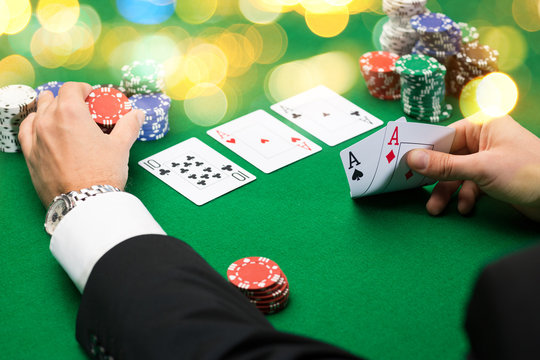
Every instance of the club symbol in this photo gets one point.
(188, 164)
(227, 168)
(175, 164)
(202, 182)
(205, 176)
(189, 157)
(217, 176)
(208, 169)
(296, 115)
(184, 170)
(192, 176)
(357, 175)
(164, 172)
(355, 113)
(198, 163)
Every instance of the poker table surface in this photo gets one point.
(377, 276)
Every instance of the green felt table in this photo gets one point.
(377, 276)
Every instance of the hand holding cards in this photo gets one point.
(377, 164)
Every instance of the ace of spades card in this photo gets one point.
(196, 171)
(381, 157)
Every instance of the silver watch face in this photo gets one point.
(58, 209)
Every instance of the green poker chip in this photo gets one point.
(468, 33)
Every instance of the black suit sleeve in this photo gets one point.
(154, 297)
(503, 317)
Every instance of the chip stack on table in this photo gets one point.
(156, 108)
(469, 34)
(398, 36)
(423, 88)
(143, 77)
(52, 86)
(16, 103)
(439, 36)
(472, 61)
(107, 105)
(378, 69)
(261, 281)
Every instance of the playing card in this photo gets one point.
(196, 171)
(264, 141)
(327, 115)
(391, 170)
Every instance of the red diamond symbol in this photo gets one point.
(390, 156)
(409, 175)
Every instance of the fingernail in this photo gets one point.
(140, 117)
(418, 159)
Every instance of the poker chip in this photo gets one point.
(143, 77)
(423, 90)
(16, 103)
(117, 87)
(52, 86)
(438, 36)
(107, 106)
(378, 70)
(474, 60)
(262, 281)
(156, 122)
(398, 36)
(469, 33)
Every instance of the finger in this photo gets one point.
(447, 167)
(127, 128)
(75, 91)
(71, 100)
(26, 134)
(467, 136)
(440, 196)
(467, 196)
(44, 101)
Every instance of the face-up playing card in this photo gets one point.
(264, 141)
(196, 171)
(391, 171)
(327, 115)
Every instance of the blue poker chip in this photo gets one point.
(153, 104)
(155, 135)
(52, 86)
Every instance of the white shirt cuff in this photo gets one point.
(95, 226)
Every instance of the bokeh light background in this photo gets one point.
(225, 58)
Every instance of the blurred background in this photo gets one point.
(224, 58)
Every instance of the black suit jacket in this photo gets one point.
(154, 297)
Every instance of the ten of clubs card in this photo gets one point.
(326, 115)
(377, 164)
(196, 171)
(264, 141)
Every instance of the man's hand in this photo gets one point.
(65, 150)
(499, 157)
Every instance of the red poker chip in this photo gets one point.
(378, 61)
(254, 273)
(107, 105)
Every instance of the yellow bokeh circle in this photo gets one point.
(328, 23)
(16, 69)
(496, 94)
(196, 11)
(14, 15)
(58, 16)
(206, 104)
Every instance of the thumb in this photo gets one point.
(127, 128)
(442, 166)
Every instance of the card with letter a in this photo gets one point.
(327, 115)
(264, 141)
(196, 171)
(377, 164)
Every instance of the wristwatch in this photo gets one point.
(62, 204)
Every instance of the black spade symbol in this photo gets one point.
(357, 175)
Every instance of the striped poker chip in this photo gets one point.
(52, 86)
(107, 105)
(154, 105)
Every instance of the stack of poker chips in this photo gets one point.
(143, 77)
(156, 122)
(439, 36)
(107, 105)
(469, 34)
(261, 281)
(52, 86)
(398, 36)
(16, 103)
(378, 69)
(472, 61)
(423, 88)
